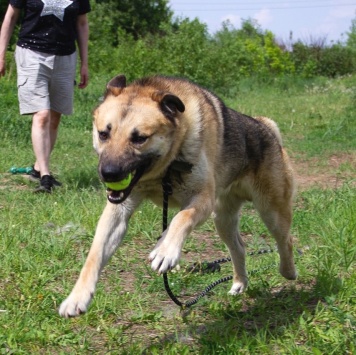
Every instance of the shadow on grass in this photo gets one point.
(266, 315)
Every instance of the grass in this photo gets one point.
(45, 239)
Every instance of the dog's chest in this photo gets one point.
(178, 192)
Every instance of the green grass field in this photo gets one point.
(45, 239)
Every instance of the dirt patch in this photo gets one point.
(330, 173)
(11, 181)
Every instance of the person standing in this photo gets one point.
(46, 65)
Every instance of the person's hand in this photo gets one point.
(84, 77)
(7, 28)
(2, 67)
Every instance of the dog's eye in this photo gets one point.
(138, 139)
(103, 135)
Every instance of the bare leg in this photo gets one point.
(45, 125)
(53, 129)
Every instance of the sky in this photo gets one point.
(307, 19)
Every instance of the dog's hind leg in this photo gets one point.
(110, 231)
(227, 224)
(278, 219)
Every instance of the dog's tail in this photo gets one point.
(272, 126)
(275, 130)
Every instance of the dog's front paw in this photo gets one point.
(237, 288)
(164, 259)
(75, 304)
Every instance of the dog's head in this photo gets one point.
(133, 132)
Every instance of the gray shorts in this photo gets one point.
(45, 81)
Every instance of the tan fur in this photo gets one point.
(153, 124)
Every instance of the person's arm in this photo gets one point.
(7, 28)
(83, 38)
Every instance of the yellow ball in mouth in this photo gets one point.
(119, 185)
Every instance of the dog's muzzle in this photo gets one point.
(109, 175)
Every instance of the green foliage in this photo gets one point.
(139, 38)
(241, 50)
(168, 54)
(103, 24)
(216, 61)
(136, 17)
(351, 36)
(3, 8)
(187, 50)
(319, 59)
(277, 60)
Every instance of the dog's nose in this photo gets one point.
(111, 172)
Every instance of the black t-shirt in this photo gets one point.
(50, 26)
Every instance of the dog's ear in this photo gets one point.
(115, 85)
(170, 104)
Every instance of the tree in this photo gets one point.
(136, 17)
(351, 40)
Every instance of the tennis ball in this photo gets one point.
(119, 185)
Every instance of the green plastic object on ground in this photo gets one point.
(26, 170)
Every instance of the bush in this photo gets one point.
(319, 59)
(217, 62)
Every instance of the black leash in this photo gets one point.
(212, 266)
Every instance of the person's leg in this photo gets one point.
(54, 126)
(41, 140)
(45, 126)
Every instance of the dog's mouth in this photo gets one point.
(119, 196)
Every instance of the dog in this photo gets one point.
(217, 159)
